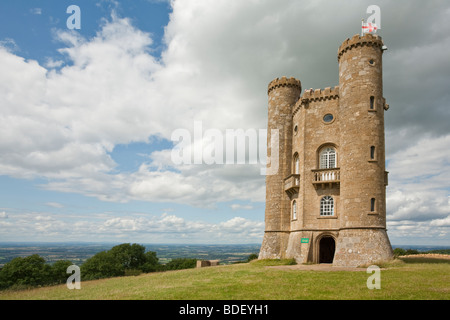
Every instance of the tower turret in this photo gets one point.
(362, 234)
(283, 94)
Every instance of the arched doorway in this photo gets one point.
(327, 247)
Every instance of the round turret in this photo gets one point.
(362, 156)
(283, 94)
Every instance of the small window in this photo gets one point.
(294, 210)
(328, 118)
(295, 129)
(372, 153)
(372, 204)
(328, 158)
(372, 103)
(327, 206)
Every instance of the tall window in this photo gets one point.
(294, 210)
(296, 164)
(372, 153)
(372, 102)
(328, 158)
(372, 204)
(327, 206)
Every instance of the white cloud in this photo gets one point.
(419, 188)
(37, 11)
(445, 222)
(418, 203)
(51, 63)
(3, 215)
(136, 226)
(54, 205)
(9, 45)
(236, 206)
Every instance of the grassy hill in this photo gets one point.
(405, 279)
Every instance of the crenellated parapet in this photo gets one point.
(311, 95)
(284, 82)
(320, 95)
(360, 41)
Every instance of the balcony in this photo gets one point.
(326, 177)
(292, 184)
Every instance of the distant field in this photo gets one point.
(404, 279)
(78, 253)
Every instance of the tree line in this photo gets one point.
(403, 252)
(122, 260)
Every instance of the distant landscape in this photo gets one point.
(79, 252)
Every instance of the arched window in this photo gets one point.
(296, 164)
(294, 210)
(327, 206)
(328, 158)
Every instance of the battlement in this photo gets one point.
(360, 41)
(311, 95)
(319, 94)
(284, 82)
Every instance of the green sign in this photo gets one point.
(305, 240)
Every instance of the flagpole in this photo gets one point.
(362, 25)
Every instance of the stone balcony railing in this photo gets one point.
(292, 184)
(326, 177)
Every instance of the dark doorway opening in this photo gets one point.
(327, 247)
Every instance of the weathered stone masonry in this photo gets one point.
(327, 203)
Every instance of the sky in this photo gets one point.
(88, 115)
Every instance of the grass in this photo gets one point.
(406, 279)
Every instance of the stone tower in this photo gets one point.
(283, 94)
(327, 202)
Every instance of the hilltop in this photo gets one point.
(403, 279)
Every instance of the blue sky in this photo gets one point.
(87, 115)
(31, 23)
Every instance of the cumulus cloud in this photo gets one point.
(445, 222)
(418, 201)
(9, 45)
(136, 226)
(113, 92)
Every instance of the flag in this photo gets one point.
(369, 27)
